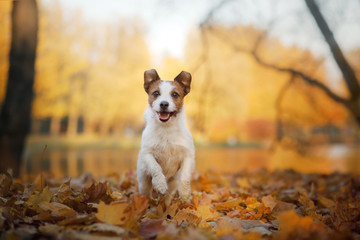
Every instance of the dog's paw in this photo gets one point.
(159, 184)
(184, 191)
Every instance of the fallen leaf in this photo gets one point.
(229, 205)
(188, 216)
(243, 183)
(150, 228)
(116, 213)
(104, 228)
(170, 231)
(282, 206)
(171, 210)
(63, 192)
(205, 199)
(241, 224)
(37, 198)
(98, 192)
(51, 229)
(269, 201)
(206, 213)
(346, 214)
(54, 211)
(5, 184)
(291, 225)
(325, 202)
(139, 203)
(78, 219)
(309, 206)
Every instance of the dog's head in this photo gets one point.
(166, 97)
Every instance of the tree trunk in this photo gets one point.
(346, 70)
(16, 111)
(88, 126)
(72, 125)
(55, 126)
(104, 128)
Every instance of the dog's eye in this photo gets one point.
(156, 94)
(175, 95)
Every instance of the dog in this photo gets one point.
(167, 154)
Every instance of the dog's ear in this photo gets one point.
(150, 76)
(184, 78)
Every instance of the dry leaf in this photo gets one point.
(269, 201)
(188, 216)
(51, 229)
(5, 184)
(98, 192)
(104, 228)
(325, 202)
(139, 203)
(240, 224)
(309, 206)
(150, 228)
(37, 198)
(116, 213)
(243, 183)
(229, 205)
(78, 219)
(206, 213)
(63, 192)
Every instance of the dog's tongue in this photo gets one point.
(164, 115)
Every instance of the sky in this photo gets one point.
(168, 22)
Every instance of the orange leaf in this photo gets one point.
(187, 215)
(116, 213)
(206, 213)
(229, 205)
(139, 204)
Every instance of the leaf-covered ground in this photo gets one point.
(247, 205)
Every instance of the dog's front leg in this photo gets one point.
(155, 171)
(185, 178)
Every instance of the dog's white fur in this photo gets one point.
(166, 157)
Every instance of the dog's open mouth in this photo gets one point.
(164, 116)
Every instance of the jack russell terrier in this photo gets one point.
(167, 153)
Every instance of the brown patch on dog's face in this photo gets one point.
(153, 91)
(178, 94)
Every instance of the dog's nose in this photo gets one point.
(164, 105)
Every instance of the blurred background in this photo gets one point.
(275, 83)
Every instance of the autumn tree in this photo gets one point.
(61, 67)
(114, 98)
(16, 109)
(257, 48)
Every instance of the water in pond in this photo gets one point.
(74, 162)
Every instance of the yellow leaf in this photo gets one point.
(116, 213)
(243, 183)
(187, 215)
(206, 213)
(229, 205)
(57, 209)
(35, 199)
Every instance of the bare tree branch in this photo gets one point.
(346, 70)
(306, 78)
